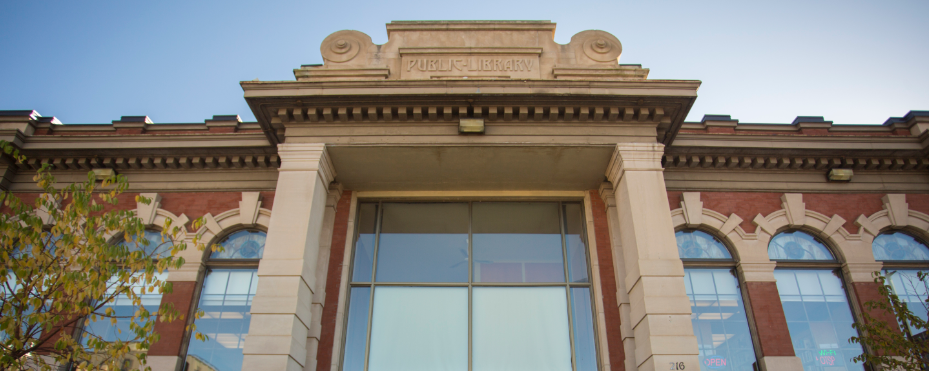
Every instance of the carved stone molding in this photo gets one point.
(710, 161)
(153, 162)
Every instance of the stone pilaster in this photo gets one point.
(659, 307)
(281, 309)
(322, 268)
(622, 295)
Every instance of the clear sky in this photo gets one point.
(853, 62)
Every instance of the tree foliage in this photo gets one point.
(893, 347)
(61, 274)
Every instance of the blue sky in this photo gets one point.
(853, 62)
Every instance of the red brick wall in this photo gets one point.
(769, 319)
(172, 333)
(868, 291)
(608, 282)
(847, 205)
(333, 282)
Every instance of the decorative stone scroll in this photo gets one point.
(459, 50)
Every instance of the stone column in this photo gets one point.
(281, 313)
(659, 307)
(766, 316)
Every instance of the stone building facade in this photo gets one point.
(492, 137)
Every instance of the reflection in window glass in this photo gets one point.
(898, 246)
(152, 243)
(520, 328)
(423, 243)
(416, 324)
(700, 245)
(122, 306)
(364, 243)
(719, 320)
(575, 243)
(242, 245)
(818, 318)
(356, 335)
(797, 246)
(517, 242)
(585, 347)
(226, 300)
(419, 328)
(911, 290)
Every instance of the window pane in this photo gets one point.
(242, 245)
(719, 320)
(898, 246)
(520, 328)
(585, 348)
(364, 243)
(911, 290)
(517, 242)
(700, 245)
(152, 243)
(225, 300)
(575, 243)
(819, 319)
(797, 246)
(419, 328)
(423, 243)
(356, 335)
(104, 329)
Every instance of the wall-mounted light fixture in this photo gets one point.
(840, 175)
(471, 126)
(103, 173)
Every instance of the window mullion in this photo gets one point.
(567, 280)
(470, 279)
(377, 242)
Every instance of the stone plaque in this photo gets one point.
(458, 63)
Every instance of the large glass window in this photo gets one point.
(718, 313)
(904, 257)
(470, 286)
(123, 310)
(150, 243)
(226, 300)
(815, 303)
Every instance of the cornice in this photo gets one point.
(781, 162)
(471, 86)
(152, 162)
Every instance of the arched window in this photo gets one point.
(797, 246)
(226, 299)
(904, 257)
(151, 243)
(815, 302)
(718, 313)
(898, 246)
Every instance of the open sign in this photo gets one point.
(715, 362)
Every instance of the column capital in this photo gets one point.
(607, 194)
(307, 157)
(634, 157)
(861, 272)
(756, 272)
